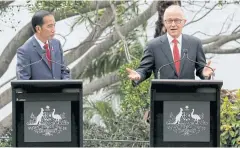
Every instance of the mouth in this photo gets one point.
(173, 29)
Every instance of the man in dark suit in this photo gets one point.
(41, 56)
(168, 48)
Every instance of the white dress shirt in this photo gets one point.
(40, 42)
(179, 39)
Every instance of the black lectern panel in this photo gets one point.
(185, 113)
(47, 113)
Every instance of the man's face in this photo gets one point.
(47, 30)
(174, 22)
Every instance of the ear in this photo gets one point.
(38, 29)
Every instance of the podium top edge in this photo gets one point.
(46, 81)
(154, 81)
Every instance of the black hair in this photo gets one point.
(37, 18)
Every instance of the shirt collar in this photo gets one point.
(40, 42)
(170, 39)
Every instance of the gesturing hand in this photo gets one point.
(132, 74)
(207, 72)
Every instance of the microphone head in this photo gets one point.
(185, 51)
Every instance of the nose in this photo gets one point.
(173, 23)
(53, 30)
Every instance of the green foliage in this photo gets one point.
(133, 130)
(134, 99)
(126, 13)
(64, 6)
(118, 126)
(105, 63)
(230, 122)
(5, 143)
(8, 141)
(104, 110)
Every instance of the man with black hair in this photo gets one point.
(41, 56)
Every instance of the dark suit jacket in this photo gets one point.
(158, 53)
(31, 67)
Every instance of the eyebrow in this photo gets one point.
(175, 18)
(51, 24)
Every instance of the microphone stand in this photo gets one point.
(159, 70)
(206, 78)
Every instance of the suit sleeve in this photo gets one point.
(146, 65)
(200, 59)
(65, 72)
(23, 68)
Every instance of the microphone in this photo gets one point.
(24, 66)
(50, 45)
(58, 64)
(213, 74)
(159, 70)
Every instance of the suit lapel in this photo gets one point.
(40, 51)
(184, 46)
(167, 51)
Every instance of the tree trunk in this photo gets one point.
(103, 82)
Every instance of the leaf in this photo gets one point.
(233, 141)
(237, 131)
(232, 133)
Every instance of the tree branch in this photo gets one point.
(224, 51)
(96, 12)
(219, 41)
(210, 40)
(220, 32)
(201, 33)
(199, 11)
(116, 26)
(76, 52)
(201, 16)
(226, 38)
(236, 29)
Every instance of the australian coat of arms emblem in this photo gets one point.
(187, 122)
(47, 122)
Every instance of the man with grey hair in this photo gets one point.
(168, 48)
